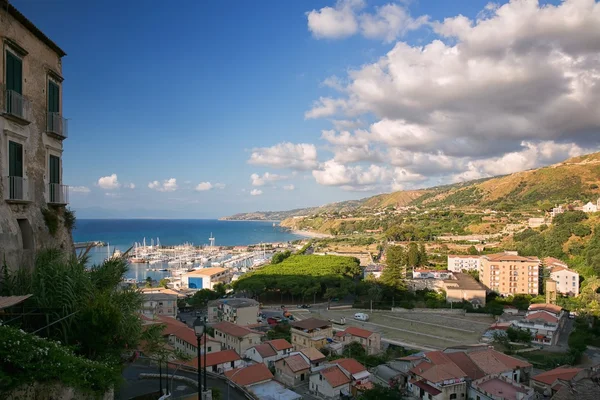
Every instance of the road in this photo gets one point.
(134, 386)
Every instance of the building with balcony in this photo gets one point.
(567, 280)
(311, 332)
(236, 337)
(421, 273)
(237, 311)
(32, 130)
(159, 304)
(544, 322)
(371, 341)
(458, 263)
(509, 274)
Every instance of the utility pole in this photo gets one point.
(371, 305)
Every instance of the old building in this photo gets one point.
(237, 311)
(508, 273)
(329, 382)
(293, 370)
(159, 304)
(236, 337)
(548, 382)
(269, 351)
(544, 322)
(250, 375)
(32, 130)
(311, 332)
(371, 341)
(219, 362)
(465, 287)
(497, 387)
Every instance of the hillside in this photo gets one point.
(577, 178)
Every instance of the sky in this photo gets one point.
(200, 109)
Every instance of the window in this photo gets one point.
(15, 171)
(14, 73)
(478, 398)
(453, 396)
(209, 349)
(429, 396)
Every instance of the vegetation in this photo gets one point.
(381, 393)
(280, 256)
(51, 220)
(280, 331)
(69, 217)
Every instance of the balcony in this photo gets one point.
(58, 194)
(16, 106)
(57, 125)
(16, 189)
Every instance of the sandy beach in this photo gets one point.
(310, 234)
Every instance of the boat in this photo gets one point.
(137, 260)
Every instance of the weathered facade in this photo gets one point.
(32, 130)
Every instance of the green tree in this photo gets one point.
(220, 290)
(422, 255)
(163, 282)
(381, 393)
(202, 297)
(473, 251)
(148, 282)
(413, 255)
(393, 273)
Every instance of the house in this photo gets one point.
(235, 337)
(388, 376)
(460, 263)
(269, 352)
(420, 273)
(590, 207)
(292, 370)
(218, 362)
(237, 311)
(329, 382)
(314, 356)
(509, 274)
(248, 376)
(360, 378)
(206, 278)
(498, 387)
(32, 131)
(464, 288)
(371, 341)
(311, 332)
(374, 269)
(159, 304)
(583, 386)
(544, 322)
(549, 382)
(556, 210)
(567, 280)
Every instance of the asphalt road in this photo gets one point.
(134, 386)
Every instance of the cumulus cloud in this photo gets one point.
(204, 186)
(109, 182)
(79, 189)
(359, 178)
(389, 22)
(129, 186)
(168, 185)
(335, 22)
(300, 156)
(325, 107)
(266, 178)
(289, 187)
(256, 192)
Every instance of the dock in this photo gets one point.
(85, 245)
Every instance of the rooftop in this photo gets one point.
(207, 271)
(426, 387)
(545, 307)
(351, 330)
(500, 387)
(491, 361)
(237, 302)
(220, 357)
(350, 365)
(510, 257)
(159, 297)
(540, 315)
(548, 261)
(272, 390)
(463, 256)
(334, 376)
(313, 354)
(249, 375)
(465, 282)
(565, 372)
(9, 301)
(234, 330)
(296, 362)
(280, 344)
(265, 350)
(311, 324)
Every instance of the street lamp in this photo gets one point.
(200, 329)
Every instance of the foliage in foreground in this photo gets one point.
(26, 358)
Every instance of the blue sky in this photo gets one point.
(200, 92)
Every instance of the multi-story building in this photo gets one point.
(422, 273)
(236, 337)
(464, 288)
(458, 263)
(237, 311)
(371, 341)
(32, 130)
(311, 332)
(544, 322)
(269, 351)
(508, 273)
(567, 280)
(159, 304)
(206, 278)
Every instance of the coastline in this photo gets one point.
(309, 234)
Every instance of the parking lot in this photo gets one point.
(423, 330)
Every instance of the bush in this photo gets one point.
(69, 217)
(51, 220)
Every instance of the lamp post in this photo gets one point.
(199, 330)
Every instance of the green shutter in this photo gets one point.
(15, 159)
(14, 73)
(54, 169)
(53, 97)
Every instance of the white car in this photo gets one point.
(361, 316)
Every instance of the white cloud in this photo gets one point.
(332, 173)
(203, 186)
(289, 187)
(335, 22)
(300, 156)
(333, 82)
(79, 189)
(129, 185)
(345, 124)
(266, 178)
(109, 182)
(389, 23)
(325, 107)
(256, 192)
(168, 185)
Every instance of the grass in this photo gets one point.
(547, 360)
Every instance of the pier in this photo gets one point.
(84, 245)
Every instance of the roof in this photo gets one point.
(463, 256)
(265, 350)
(237, 302)
(565, 373)
(311, 324)
(207, 271)
(584, 389)
(501, 388)
(350, 365)
(386, 372)
(466, 364)
(249, 375)
(271, 390)
(9, 301)
(554, 261)
(159, 296)
(491, 361)
(438, 372)
(16, 14)
(162, 290)
(280, 344)
(558, 268)
(234, 330)
(296, 362)
(334, 376)
(541, 315)
(181, 330)
(546, 307)
(313, 354)
(510, 257)
(426, 387)
(465, 282)
(351, 330)
(220, 357)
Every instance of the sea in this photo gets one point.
(121, 234)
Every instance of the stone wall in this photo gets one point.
(54, 392)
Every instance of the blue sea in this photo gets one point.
(121, 234)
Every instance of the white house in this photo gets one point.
(431, 274)
(590, 207)
(457, 263)
(219, 362)
(329, 382)
(567, 280)
(269, 352)
(544, 322)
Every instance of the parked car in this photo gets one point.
(305, 306)
(361, 316)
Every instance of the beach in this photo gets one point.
(309, 234)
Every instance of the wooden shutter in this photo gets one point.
(54, 169)
(15, 159)
(14, 73)
(53, 97)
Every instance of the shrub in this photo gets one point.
(51, 220)
(69, 217)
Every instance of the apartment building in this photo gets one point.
(567, 280)
(508, 273)
(458, 263)
(311, 332)
(236, 337)
(206, 278)
(159, 304)
(371, 341)
(544, 322)
(32, 130)
(237, 311)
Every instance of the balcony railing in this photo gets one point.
(58, 194)
(57, 125)
(17, 105)
(16, 188)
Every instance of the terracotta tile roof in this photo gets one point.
(493, 362)
(565, 373)
(207, 271)
(265, 350)
(510, 257)
(280, 344)
(543, 316)
(558, 269)
(220, 357)
(313, 354)
(249, 375)
(554, 261)
(426, 387)
(296, 362)
(546, 307)
(233, 329)
(350, 365)
(179, 329)
(462, 256)
(363, 333)
(466, 364)
(334, 376)
(311, 324)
